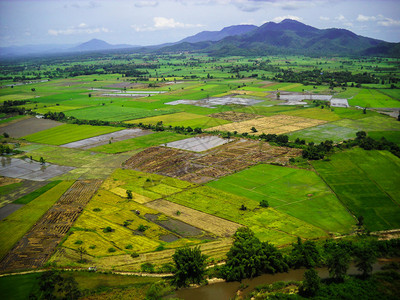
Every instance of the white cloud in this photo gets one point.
(389, 22)
(381, 20)
(362, 18)
(281, 18)
(141, 4)
(161, 23)
(84, 4)
(80, 29)
(340, 18)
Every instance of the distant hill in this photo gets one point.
(213, 36)
(96, 45)
(292, 37)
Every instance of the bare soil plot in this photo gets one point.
(214, 163)
(235, 116)
(278, 124)
(210, 223)
(198, 144)
(33, 250)
(30, 170)
(29, 126)
(105, 138)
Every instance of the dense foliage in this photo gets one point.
(249, 257)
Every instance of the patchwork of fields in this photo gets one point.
(129, 196)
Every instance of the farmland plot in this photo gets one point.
(367, 183)
(106, 138)
(33, 250)
(215, 163)
(198, 144)
(29, 126)
(278, 124)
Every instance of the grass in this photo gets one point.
(183, 119)
(267, 223)
(324, 132)
(314, 113)
(28, 198)
(18, 223)
(18, 287)
(373, 98)
(107, 209)
(299, 193)
(367, 183)
(140, 142)
(151, 186)
(392, 136)
(68, 133)
(372, 123)
(116, 113)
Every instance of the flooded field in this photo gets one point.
(31, 170)
(198, 144)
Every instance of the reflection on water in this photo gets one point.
(227, 290)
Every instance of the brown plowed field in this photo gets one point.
(33, 250)
(209, 165)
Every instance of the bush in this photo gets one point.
(264, 203)
(142, 228)
(108, 229)
(78, 242)
(111, 250)
(147, 267)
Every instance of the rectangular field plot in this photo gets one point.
(18, 223)
(374, 123)
(29, 126)
(116, 113)
(105, 138)
(215, 163)
(314, 113)
(367, 182)
(373, 98)
(215, 225)
(68, 133)
(267, 223)
(144, 141)
(299, 193)
(278, 124)
(38, 244)
(198, 144)
(151, 186)
(324, 132)
(182, 119)
(31, 170)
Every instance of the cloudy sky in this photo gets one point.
(149, 22)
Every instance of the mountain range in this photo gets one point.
(287, 37)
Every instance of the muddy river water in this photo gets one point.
(227, 290)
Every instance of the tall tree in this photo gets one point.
(338, 263)
(249, 257)
(311, 284)
(190, 266)
(364, 257)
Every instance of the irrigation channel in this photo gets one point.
(228, 290)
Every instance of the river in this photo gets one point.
(227, 290)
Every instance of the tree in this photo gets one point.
(304, 254)
(53, 285)
(190, 266)
(82, 251)
(42, 161)
(6, 135)
(365, 257)
(338, 263)
(264, 203)
(253, 129)
(311, 284)
(361, 135)
(129, 194)
(249, 257)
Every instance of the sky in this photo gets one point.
(152, 22)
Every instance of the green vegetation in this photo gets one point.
(366, 182)
(267, 224)
(190, 266)
(23, 219)
(28, 198)
(68, 133)
(299, 193)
